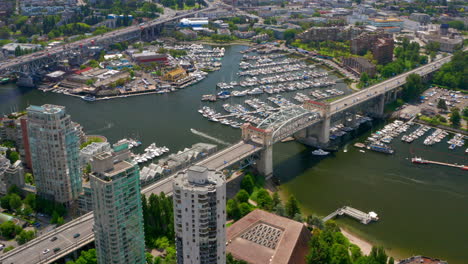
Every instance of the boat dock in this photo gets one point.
(364, 218)
(423, 161)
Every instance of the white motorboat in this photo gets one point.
(320, 152)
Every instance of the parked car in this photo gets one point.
(54, 238)
(76, 235)
(56, 250)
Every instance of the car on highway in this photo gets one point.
(76, 235)
(45, 251)
(56, 250)
(54, 238)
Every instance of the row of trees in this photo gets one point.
(454, 75)
(330, 246)
(158, 218)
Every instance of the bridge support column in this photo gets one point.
(265, 163)
(379, 107)
(324, 134)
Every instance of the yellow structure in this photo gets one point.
(175, 75)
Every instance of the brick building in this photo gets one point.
(359, 65)
(380, 44)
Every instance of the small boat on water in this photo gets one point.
(320, 152)
(89, 98)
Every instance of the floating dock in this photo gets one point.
(364, 218)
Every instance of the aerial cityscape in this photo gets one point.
(233, 132)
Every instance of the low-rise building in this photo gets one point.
(244, 35)
(223, 31)
(175, 75)
(260, 37)
(262, 237)
(420, 17)
(359, 65)
(379, 43)
(189, 34)
(149, 57)
(390, 24)
(87, 153)
(9, 49)
(47, 7)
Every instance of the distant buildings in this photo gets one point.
(16, 129)
(200, 216)
(46, 7)
(420, 17)
(391, 25)
(118, 216)
(10, 174)
(329, 33)
(448, 39)
(262, 237)
(54, 144)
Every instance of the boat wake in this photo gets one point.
(109, 125)
(201, 134)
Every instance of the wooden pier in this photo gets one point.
(364, 218)
(423, 161)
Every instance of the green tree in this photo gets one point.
(242, 196)
(25, 236)
(455, 117)
(412, 88)
(441, 104)
(292, 207)
(457, 24)
(279, 210)
(339, 255)
(15, 201)
(9, 230)
(391, 260)
(30, 200)
(264, 200)
(5, 202)
(244, 209)
(276, 199)
(315, 221)
(364, 78)
(13, 156)
(28, 178)
(465, 111)
(232, 209)
(86, 257)
(247, 183)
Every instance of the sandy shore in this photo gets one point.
(365, 246)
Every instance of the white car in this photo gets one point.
(46, 251)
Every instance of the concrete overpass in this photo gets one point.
(31, 252)
(33, 62)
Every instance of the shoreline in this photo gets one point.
(364, 245)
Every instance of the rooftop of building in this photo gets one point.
(262, 237)
(199, 178)
(104, 167)
(46, 109)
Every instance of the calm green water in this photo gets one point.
(423, 209)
